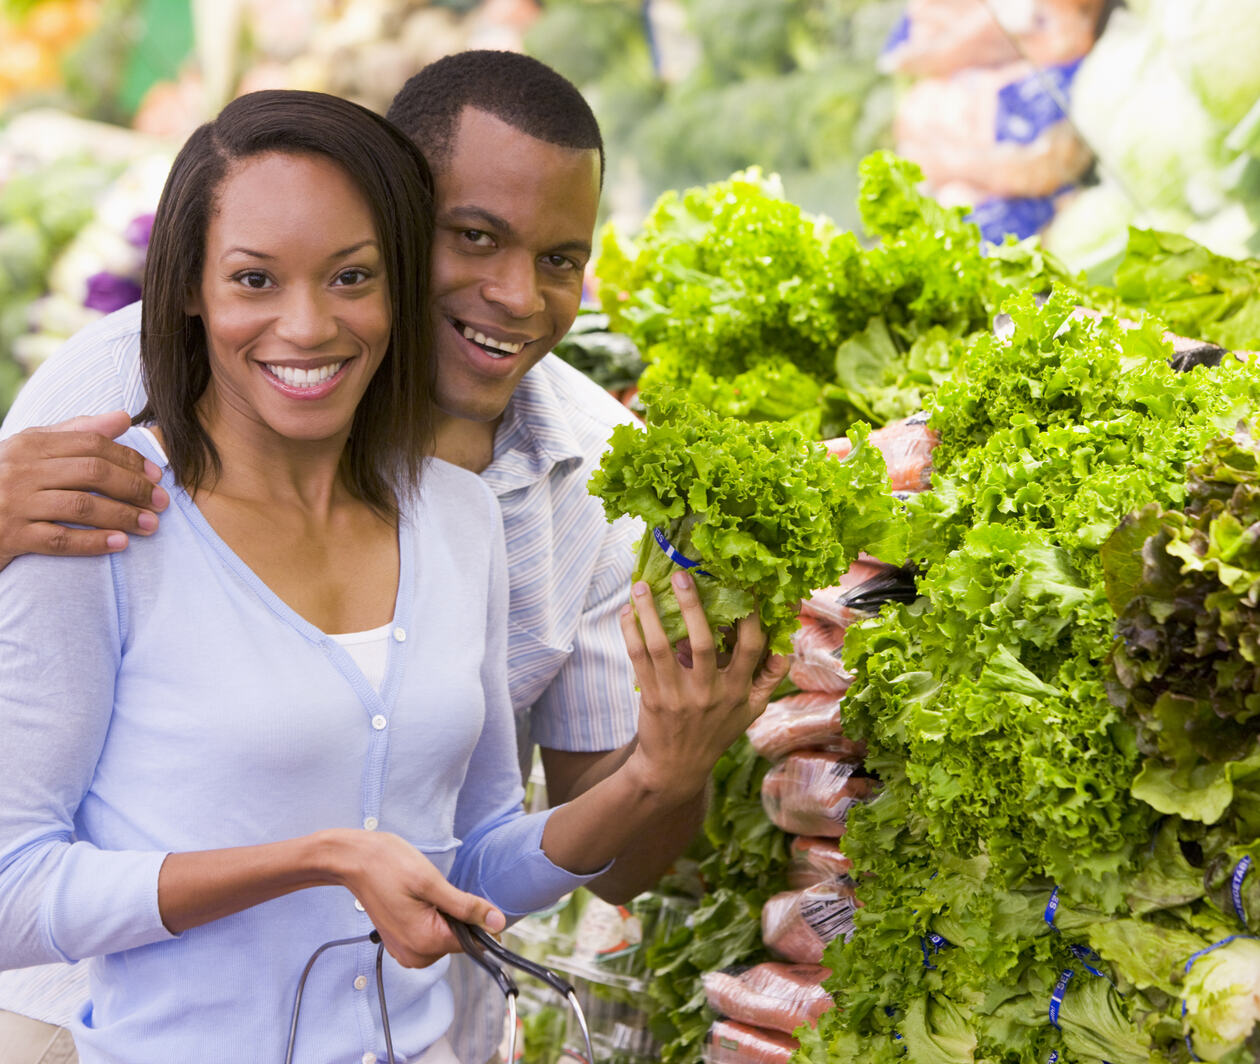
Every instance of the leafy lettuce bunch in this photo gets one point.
(1185, 584)
(766, 513)
(1198, 293)
(1006, 768)
(740, 298)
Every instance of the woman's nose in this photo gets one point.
(306, 320)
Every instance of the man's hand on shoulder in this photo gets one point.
(74, 473)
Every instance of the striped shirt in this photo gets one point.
(570, 680)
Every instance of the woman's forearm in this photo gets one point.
(196, 888)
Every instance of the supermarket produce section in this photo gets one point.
(979, 445)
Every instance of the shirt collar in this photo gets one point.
(534, 435)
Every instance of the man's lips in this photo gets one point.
(496, 346)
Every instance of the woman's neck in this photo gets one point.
(257, 464)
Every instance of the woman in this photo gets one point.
(282, 720)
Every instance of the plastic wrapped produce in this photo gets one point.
(773, 995)
(1000, 129)
(816, 665)
(798, 924)
(737, 1043)
(854, 596)
(810, 792)
(907, 447)
(815, 861)
(809, 719)
(938, 37)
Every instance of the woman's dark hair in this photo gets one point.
(393, 425)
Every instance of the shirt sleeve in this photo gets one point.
(95, 371)
(591, 705)
(501, 857)
(60, 647)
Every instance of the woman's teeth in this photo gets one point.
(304, 378)
(495, 347)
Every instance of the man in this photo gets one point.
(518, 164)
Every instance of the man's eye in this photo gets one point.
(254, 279)
(560, 262)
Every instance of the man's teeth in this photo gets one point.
(485, 341)
(304, 378)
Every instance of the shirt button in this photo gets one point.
(359, 905)
(378, 722)
(369, 1058)
(360, 982)
(371, 823)
(400, 635)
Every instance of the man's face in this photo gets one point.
(515, 217)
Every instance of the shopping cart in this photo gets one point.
(485, 951)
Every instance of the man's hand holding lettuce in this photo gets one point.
(765, 514)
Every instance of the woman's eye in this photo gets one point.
(254, 279)
(478, 237)
(352, 277)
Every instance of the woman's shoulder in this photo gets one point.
(455, 501)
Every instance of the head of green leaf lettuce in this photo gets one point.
(768, 514)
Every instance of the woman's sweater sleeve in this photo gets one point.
(60, 649)
(501, 857)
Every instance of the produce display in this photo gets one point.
(1035, 828)
(980, 447)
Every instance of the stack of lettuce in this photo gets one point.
(1013, 832)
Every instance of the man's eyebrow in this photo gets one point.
(339, 253)
(477, 214)
(467, 216)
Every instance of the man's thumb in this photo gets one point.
(111, 424)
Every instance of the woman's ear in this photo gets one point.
(192, 303)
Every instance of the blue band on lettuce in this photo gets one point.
(674, 556)
(1189, 964)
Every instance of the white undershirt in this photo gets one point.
(368, 649)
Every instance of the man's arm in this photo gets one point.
(640, 865)
(688, 715)
(73, 473)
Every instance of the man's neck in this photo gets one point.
(465, 443)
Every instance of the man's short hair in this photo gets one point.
(516, 89)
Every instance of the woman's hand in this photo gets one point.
(405, 896)
(692, 709)
(400, 890)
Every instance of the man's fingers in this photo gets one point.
(698, 630)
(770, 676)
(750, 644)
(46, 538)
(127, 483)
(96, 511)
(654, 637)
(111, 424)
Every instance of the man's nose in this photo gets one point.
(514, 286)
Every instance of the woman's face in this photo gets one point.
(293, 297)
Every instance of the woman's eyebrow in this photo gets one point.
(339, 253)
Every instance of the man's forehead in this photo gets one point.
(476, 130)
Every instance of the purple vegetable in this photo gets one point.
(108, 292)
